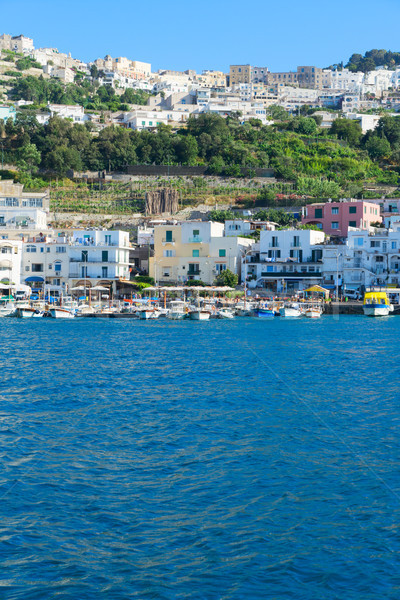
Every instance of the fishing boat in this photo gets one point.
(177, 310)
(59, 312)
(264, 311)
(27, 312)
(147, 313)
(313, 311)
(376, 303)
(291, 310)
(244, 309)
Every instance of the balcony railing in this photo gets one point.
(194, 272)
(195, 240)
(294, 245)
(168, 240)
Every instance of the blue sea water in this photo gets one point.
(213, 460)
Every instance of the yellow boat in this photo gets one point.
(376, 303)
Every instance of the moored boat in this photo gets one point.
(225, 313)
(59, 312)
(177, 310)
(313, 312)
(376, 303)
(199, 315)
(290, 310)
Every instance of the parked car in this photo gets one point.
(352, 294)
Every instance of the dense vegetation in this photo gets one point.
(372, 59)
(89, 95)
(322, 164)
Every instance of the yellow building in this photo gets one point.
(194, 250)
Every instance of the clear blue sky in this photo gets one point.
(208, 34)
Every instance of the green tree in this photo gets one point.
(347, 129)
(226, 278)
(220, 216)
(29, 158)
(378, 147)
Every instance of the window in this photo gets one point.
(31, 248)
(195, 253)
(41, 249)
(85, 256)
(275, 243)
(222, 253)
(335, 225)
(169, 253)
(352, 223)
(37, 268)
(394, 245)
(352, 209)
(379, 259)
(104, 271)
(168, 236)
(196, 232)
(104, 256)
(318, 213)
(335, 210)
(48, 249)
(375, 244)
(57, 267)
(107, 239)
(61, 249)
(359, 241)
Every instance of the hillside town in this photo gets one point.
(353, 244)
(175, 95)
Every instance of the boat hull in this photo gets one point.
(199, 315)
(27, 313)
(312, 313)
(264, 313)
(290, 312)
(145, 315)
(376, 311)
(176, 316)
(61, 313)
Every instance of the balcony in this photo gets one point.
(195, 240)
(291, 274)
(273, 245)
(89, 261)
(168, 241)
(194, 272)
(294, 245)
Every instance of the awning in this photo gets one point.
(34, 279)
(349, 286)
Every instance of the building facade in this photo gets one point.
(284, 261)
(335, 218)
(194, 250)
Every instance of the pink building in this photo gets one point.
(335, 218)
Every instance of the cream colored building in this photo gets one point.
(239, 74)
(194, 250)
(133, 69)
(211, 79)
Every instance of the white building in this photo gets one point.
(372, 258)
(288, 260)
(10, 261)
(21, 213)
(98, 257)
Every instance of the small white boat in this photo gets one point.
(199, 315)
(290, 310)
(313, 312)
(225, 313)
(27, 312)
(59, 312)
(177, 310)
(7, 309)
(147, 313)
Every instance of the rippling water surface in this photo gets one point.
(179, 460)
